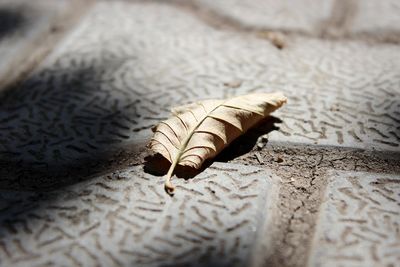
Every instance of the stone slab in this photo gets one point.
(333, 18)
(120, 71)
(377, 16)
(126, 219)
(359, 221)
(303, 16)
(22, 23)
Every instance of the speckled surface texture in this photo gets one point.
(316, 184)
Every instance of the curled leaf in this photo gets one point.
(200, 130)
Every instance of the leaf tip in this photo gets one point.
(280, 97)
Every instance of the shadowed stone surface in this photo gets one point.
(126, 219)
(22, 23)
(359, 223)
(126, 64)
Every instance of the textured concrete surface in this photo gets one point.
(103, 88)
(126, 219)
(359, 221)
(333, 19)
(304, 171)
(73, 134)
(366, 18)
(299, 16)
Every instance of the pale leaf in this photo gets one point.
(200, 130)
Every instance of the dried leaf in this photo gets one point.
(199, 131)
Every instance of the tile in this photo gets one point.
(125, 218)
(303, 16)
(377, 16)
(359, 221)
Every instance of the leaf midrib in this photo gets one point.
(187, 139)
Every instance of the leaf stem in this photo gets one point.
(169, 187)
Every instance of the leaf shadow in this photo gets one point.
(157, 165)
(245, 143)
